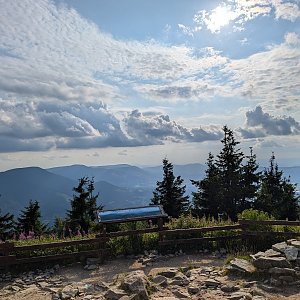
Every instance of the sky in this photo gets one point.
(101, 82)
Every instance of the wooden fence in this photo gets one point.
(10, 254)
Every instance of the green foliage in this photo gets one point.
(83, 206)
(170, 192)
(6, 226)
(228, 187)
(257, 215)
(277, 195)
(30, 219)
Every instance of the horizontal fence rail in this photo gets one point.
(11, 254)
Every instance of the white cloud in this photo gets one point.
(287, 10)
(152, 128)
(271, 76)
(261, 124)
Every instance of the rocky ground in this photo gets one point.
(169, 277)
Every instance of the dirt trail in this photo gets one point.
(110, 268)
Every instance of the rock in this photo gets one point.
(258, 298)
(295, 243)
(282, 271)
(114, 294)
(167, 272)
(291, 253)
(269, 262)
(91, 267)
(68, 292)
(136, 282)
(279, 247)
(192, 289)
(242, 265)
(240, 295)
(229, 288)
(180, 294)
(268, 288)
(160, 280)
(180, 279)
(211, 283)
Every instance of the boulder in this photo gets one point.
(291, 253)
(270, 262)
(279, 247)
(136, 282)
(242, 265)
(160, 280)
(212, 283)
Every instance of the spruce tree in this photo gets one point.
(230, 169)
(30, 219)
(6, 226)
(83, 206)
(206, 201)
(170, 192)
(277, 195)
(250, 180)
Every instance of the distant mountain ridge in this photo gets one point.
(119, 186)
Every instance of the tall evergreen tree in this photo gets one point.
(83, 205)
(206, 201)
(170, 192)
(6, 226)
(230, 169)
(249, 181)
(30, 219)
(277, 195)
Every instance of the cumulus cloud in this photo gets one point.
(153, 128)
(34, 126)
(261, 124)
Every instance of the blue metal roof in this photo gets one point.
(128, 214)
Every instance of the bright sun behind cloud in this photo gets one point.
(219, 17)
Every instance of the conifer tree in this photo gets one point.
(206, 201)
(230, 169)
(30, 219)
(170, 192)
(277, 195)
(249, 181)
(83, 206)
(6, 226)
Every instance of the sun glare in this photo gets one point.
(220, 17)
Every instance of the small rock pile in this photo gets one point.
(280, 264)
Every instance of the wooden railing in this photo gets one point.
(11, 254)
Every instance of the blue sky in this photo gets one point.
(105, 82)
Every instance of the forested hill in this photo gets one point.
(119, 186)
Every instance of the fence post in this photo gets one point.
(244, 227)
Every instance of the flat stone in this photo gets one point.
(169, 272)
(282, 271)
(240, 295)
(269, 262)
(295, 243)
(272, 253)
(242, 265)
(229, 288)
(160, 280)
(291, 253)
(180, 294)
(280, 247)
(211, 282)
